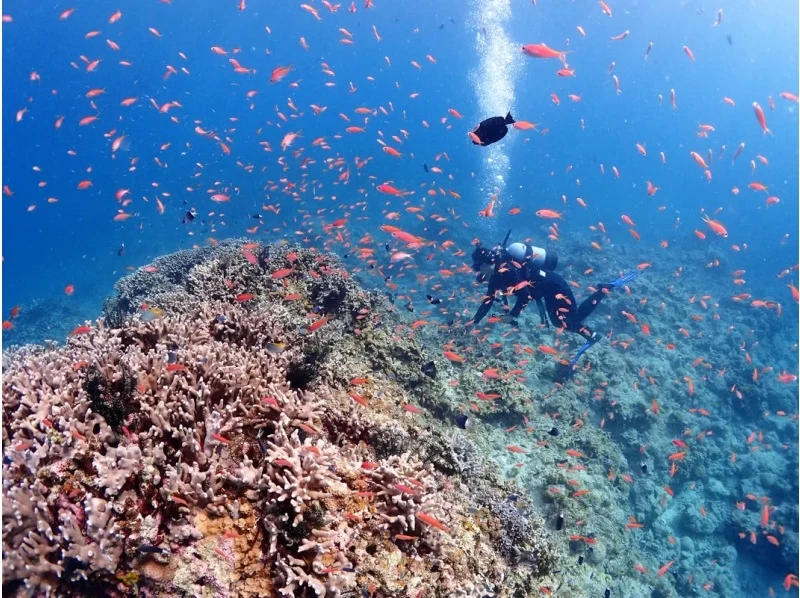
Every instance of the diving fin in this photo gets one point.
(624, 279)
(581, 351)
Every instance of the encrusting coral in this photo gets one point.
(212, 448)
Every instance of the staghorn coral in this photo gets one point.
(182, 453)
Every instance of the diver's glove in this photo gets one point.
(622, 280)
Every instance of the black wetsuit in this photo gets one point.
(553, 297)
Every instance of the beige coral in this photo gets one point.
(212, 430)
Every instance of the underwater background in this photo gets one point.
(137, 129)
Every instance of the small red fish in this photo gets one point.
(359, 399)
(250, 257)
(278, 73)
(432, 521)
(282, 273)
(665, 568)
(318, 324)
(455, 357)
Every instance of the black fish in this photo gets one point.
(462, 421)
(410, 307)
(553, 432)
(121, 250)
(189, 216)
(425, 166)
(493, 129)
(433, 300)
(429, 369)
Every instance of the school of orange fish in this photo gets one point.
(319, 187)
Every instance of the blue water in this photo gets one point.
(750, 57)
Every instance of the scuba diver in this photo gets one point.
(528, 273)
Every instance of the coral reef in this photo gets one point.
(226, 443)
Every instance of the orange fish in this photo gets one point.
(278, 73)
(762, 120)
(542, 51)
(432, 521)
(548, 214)
(318, 324)
(390, 190)
(360, 400)
(715, 226)
(282, 273)
(454, 357)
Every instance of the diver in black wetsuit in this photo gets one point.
(512, 271)
(527, 272)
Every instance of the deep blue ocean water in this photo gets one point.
(479, 71)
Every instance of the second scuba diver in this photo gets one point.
(527, 272)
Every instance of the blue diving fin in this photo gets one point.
(581, 351)
(624, 279)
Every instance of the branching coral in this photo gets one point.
(118, 444)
